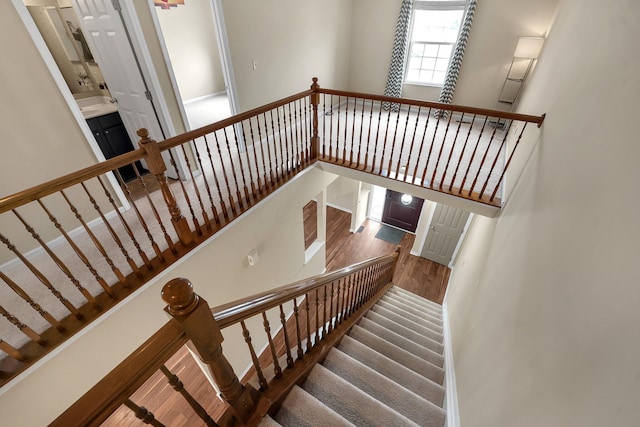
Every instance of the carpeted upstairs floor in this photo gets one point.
(389, 371)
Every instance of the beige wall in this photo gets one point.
(494, 34)
(291, 42)
(544, 299)
(190, 37)
(219, 272)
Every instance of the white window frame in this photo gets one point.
(433, 5)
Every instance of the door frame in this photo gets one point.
(56, 74)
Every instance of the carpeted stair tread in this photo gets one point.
(418, 299)
(392, 351)
(405, 332)
(418, 327)
(349, 401)
(402, 342)
(267, 421)
(421, 319)
(301, 409)
(385, 390)
(427, 314)
(393, 370)
(409, 303)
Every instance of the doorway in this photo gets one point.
(194, 51)
(402, 210)
(447, 227)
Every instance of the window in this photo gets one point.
(434, 31)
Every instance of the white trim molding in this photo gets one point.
(451, 396)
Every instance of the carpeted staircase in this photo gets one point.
(389, 371)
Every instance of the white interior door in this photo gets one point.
(109, 43)
(445, 230)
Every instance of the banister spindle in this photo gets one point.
(287, 344)
(453, 147)
(33, 335)
(442, 144)
(236, 149)
(506, 165)
(207, 187)
(254, 358)
(156, 166)
(223, 205)
(307, 307)
(143, 414)
(185, 156)
(177, 385)
(11, 351)
(298, 335)
(274, 355)
(193, 314)
(419, 156)
(464, 148)
(185, 193)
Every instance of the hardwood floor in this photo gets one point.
(415, 274)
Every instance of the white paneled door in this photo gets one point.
(109, 43)
(445, 230)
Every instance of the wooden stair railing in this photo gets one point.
(325, 307)
(72, 248)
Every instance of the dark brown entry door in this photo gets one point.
(402, 213)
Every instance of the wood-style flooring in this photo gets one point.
(415, 274)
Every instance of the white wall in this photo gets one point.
(544, 299)
(219, 272)
(191, 41)
(291, 42)
(494, 34)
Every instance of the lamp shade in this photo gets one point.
(528, 47)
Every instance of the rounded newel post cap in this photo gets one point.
(398, 249)
(315, 84)
(143, 133)
(179, 296)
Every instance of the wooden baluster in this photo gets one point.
(426, 166)
(266, 158)
(331, 140)
(324, 313)
(307, 307)
(293, 133)
(353, 131)
(303, 133)
(484, 157)
(25, 296)
(473, 154)
(11, 351)
(256, 362)
(464, 148)
(346, 126)
(244, 179)
(393, 143)
(156, 166)
(43, 279)
(33, 336)
(407, 173)
(78, 251)
(419, 156)
(272, 173)
(318, 328)
(324, 126)
(223, 205)
(96, 242)
(367, 147)
(353, 287)
(247, 147)
(112, 232)
(207, 221)
(375, 145)
(194, 315)
(163, 229)
(284, 148)
(404, 137)
(143, 414)
(345, 299)
(141, 219)
(308, 131)
(125, 225)
(347, 296)
(185, 193)
(61, 265)
(358, 285)
(274, 355)
(442, 144)
(360, 135)
(506, 165)
(285, 334)
(384, 144)
(214, 210)
(262, 185)
(315, 100)
(298, 335)
(177, 385)
(453, 146)
(331, 317)
(276, 164)
(338, 317)
(232, 203)
(493, 164)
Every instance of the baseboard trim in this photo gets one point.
(451, 397)
(340, 208)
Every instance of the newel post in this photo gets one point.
(195, 317)
(396, 261)
(315, 100)
(157, 167)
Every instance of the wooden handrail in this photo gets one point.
(438, 106)
(97, 404)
